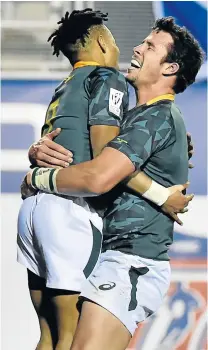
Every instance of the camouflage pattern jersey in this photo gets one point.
(153, 137)
(91, 95)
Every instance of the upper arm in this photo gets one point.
(110, 168)
(96, 176)
(108, 97)
(100, 135)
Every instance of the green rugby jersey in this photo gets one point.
(91, 95)
(153, 137)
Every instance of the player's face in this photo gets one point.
(112, 51)
(148, 62)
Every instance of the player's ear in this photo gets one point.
(170, 68)
(101, 43)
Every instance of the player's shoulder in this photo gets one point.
(175, 111)
(162, 110)
(153, 117)
(170, 113)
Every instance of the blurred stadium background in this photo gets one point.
(29, 75)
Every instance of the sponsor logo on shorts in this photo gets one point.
(107, 286)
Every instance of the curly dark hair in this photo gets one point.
(185, 51)
(73, 31)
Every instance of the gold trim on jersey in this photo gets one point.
(51, 115)
(68, 78)
(161, 97)
(81, 64)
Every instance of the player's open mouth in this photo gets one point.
(135, 64)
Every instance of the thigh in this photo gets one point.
(66, 315)
(149, 288)
(109, 286)
(128, 287)
(24, 223)
(45, 311)
(28, 254)
(99, 329)
(70, 243)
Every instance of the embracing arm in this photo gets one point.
(95, 177)
(100, 175)
(47, 153)
(139, 182)
(171, 199)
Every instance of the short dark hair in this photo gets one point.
(74, 31)
(185, 51)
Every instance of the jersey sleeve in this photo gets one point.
(147, 135)
(108, 100)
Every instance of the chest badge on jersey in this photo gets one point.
(115, 101)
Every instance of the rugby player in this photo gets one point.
(133, 273)
(51, 227)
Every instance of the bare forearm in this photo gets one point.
(139, 182)
(142, 184)
(95, 177)
(79, 180)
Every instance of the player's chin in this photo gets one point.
(131, 74)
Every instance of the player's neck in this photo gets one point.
(91, 58)
(147, 93)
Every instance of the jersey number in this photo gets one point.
(52, 111)
(50, 115)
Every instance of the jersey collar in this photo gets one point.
(169, 97)
(81, 64)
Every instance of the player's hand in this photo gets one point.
(28, 179)
(26, 189)
(47, 153)
(190, 149)
(177, 202)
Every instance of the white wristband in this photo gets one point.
(157, 193)
(44, 179)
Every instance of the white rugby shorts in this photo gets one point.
(132, 288)
(59, 239)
